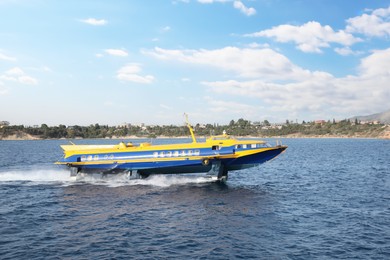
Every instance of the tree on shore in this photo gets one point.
(241, 127)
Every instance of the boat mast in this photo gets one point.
(190, 128)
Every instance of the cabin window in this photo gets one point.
(197, 152)
(215, 147)
(238, 146)
(96, 157)
(189, 152)
(111, 157)
(176, 153)
(244, 146)
(169, 154)
(253, 145)
(155, 154)
(183, 153)
(83, 158)
(162, 154)
(89, 158)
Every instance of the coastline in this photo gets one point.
(27, 137)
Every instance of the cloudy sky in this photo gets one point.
(109, 62)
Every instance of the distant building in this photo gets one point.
(124, 125)
(319, 122)
(375, 122)
(272, 126)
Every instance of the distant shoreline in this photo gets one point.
(242, 129)
(27, 137)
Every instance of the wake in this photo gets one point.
(62, 177)
(35, 175)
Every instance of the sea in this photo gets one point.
(321, 199)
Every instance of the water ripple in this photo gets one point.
(321, 199)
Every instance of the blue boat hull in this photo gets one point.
(182, 166)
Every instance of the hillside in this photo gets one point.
(383, 117)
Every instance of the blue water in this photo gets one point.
(321, 199)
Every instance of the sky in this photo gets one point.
(111, 62)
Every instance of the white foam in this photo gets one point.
(42, 176)
(166, 180)
(154, 180)
(37, 175)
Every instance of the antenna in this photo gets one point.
(190, 128)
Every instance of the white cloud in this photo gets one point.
(255, 45)
(245, 10)
(116, 52)
(213, 1)
(16, 74)
(6, 57)
(236, 4)
(377, 65)
(166, 107)
(15, 71)
(375, 24)
(345, 51)
(310, 37)
(221, 106)
(46, 69)
(166, 29)
(130, 72)
(27, 80)
(280, 85)
(93, 21)
(321, 94)
(249, 63)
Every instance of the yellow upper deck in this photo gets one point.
(223, 140)
(219, 140)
